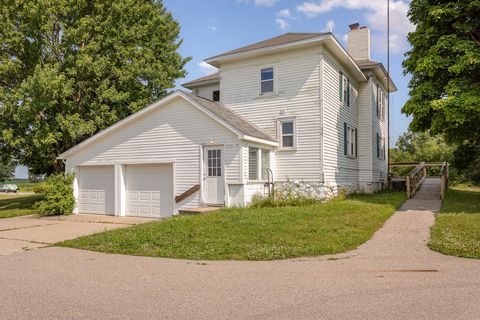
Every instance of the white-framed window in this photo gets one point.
(380, 147)
(258, 163)
(266, 80)
(380, 102)
(350, 141)
(265, 163)
(344, 89)
(287, 129)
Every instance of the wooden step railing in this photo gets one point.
(187, 193)
(418, 174)
(443, 179)
(415, 179)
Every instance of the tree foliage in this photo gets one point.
(421, 146)
(445, 65)
(71, 68)
(7, 168)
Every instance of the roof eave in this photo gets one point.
(216, 60)
(258, 140)
(191, 85)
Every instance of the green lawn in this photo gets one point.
(12, 206)
(253, 234)
(457, 227)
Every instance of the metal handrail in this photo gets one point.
(270, 184)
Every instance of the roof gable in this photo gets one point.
(217, 111)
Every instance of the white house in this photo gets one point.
(298, 104)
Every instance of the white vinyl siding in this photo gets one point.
(297, 79)
(379, 165)
(339, 169)
(164, 135)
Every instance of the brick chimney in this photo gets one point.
(359, 42)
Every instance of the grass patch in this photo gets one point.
(13, 206)
(457, 227)
(253, 233)
(24, 185)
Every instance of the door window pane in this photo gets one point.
(214, 163)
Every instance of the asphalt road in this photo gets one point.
(392, 276)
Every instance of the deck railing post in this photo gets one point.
(408, 186)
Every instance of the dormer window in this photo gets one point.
(216, 95)
(266, 80)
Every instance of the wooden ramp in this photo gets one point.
(418, 183)
(430, 189)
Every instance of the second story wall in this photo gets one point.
(295, 96)
(339, 168)
(207, 90)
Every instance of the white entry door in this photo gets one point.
(213, 181)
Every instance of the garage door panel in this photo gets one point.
(96, 190)
(149, 190)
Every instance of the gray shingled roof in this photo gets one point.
(210, 77)
(232, 118)
(367, 64)
(282, 39)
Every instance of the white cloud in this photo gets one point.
(376, 12)
(261, 3)
(213, 28)
(283, 18)
(330, 25)
(282, 23)
(285, 13)
(206, 69)
(265, 3)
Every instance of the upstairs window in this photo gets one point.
(350, 141)
(380, 103)
(344, 89)
(380, 147)
(266, 80)
(216, 95)
(287, 134)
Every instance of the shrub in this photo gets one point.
(59, 197)
(285, 200)
(39, 188)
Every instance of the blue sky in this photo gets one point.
(209, 27)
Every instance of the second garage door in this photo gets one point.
(149, 190)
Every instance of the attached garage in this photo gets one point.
(96, 190)
(149, 190)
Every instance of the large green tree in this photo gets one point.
(7, 168)
(69, 68)
(421, 146)
(444, 62)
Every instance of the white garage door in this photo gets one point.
(96, 194)
(150, 190)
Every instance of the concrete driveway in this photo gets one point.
(392, 276)
(30, 232)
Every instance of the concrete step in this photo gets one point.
(200, 210)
